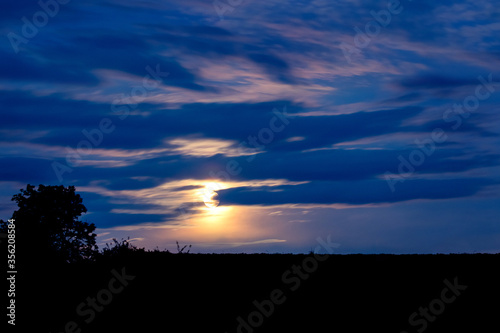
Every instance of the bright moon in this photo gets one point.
(211, 198)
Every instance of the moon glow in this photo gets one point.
(211, 198)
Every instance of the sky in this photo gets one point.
(259, 126)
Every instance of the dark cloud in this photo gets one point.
(272, 64)
(107, 220)
(219, 43)
(433, 81)
(26, 170)
(132, 183)
(23, 68)
(126, 53)
(409, 97)
(67, 118)
(14, 10)
(356, 164)
(352, 192)
(24, 110)
(323, 165)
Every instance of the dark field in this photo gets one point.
(163, 292)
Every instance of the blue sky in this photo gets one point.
(375, 123)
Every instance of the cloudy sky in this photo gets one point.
(373, 122)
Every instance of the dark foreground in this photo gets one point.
(161, 292)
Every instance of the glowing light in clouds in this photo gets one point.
(210, 197)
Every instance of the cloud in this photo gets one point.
(238, 244)
(354, 192)
(207, 147)
(433, 81)
(21, 68)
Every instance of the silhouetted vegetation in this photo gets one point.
(120, 248)
(47, 225)
(180, 250)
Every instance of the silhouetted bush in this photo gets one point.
(121, 248)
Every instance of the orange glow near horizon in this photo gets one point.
(206, 224)
(223, 225)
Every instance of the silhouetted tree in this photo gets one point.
(47, 224)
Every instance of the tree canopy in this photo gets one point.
(47, 224)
